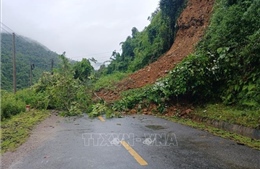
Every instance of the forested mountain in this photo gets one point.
(224, 66)
(146, 46)
(28, 52)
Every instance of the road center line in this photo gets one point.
(137, 157)
(101, 118)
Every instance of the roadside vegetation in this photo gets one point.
(224, 68)
(108, 81)
(233, 115)
(239, 139)
(221, 76)
(16, 130)
(66, 90)
(220, 79)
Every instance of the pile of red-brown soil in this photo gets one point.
(171, 110)
(192, 24)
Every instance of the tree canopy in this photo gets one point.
(144, 47)
(28, 52)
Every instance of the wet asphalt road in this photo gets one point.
(83, 143)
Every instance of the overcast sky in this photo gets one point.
(82, 28)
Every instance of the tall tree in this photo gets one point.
(83, 69)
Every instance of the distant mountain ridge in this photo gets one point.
(34, 42)
(28, 52)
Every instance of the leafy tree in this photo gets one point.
(134, 32)
(144, 47)
(225, 67)
(82, 70)
(233, 44)
(63, 91)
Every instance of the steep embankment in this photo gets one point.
(192, 23)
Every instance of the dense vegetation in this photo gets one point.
(65, 90)
(224, 68)
(28, 52)
(16, 130)
(144, 47)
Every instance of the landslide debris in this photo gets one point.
(192, 24)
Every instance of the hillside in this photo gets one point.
(196, 63)
(27, 52)
(197, 60)
(192, 23)
(214, 58)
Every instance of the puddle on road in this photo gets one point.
(155, 127)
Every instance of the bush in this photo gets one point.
(97, 110)
(62, 92)
(37, 100)
(10, 105)
(108, 81)
(226, 63)
(225, 66)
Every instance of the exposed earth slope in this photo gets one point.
(192, 24)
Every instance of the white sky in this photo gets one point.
(82, 28)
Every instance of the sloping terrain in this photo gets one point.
(28, 52)
(192, 23)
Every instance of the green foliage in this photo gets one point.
(15, 130)
(10, 105)
(62, 91)
(140, 98)
(32, 98)
(129, 99)
(57, 91)
(227, 59)
(144, 47)
(27, 52)
(233, 43)
(97, 110)
(191, 78)
(108, 81)
(225, 66)
(218, 132)
(82, 70)
(230, 114)
(170, 10)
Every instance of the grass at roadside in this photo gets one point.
(16, 130)
(232, 115)
(242, 140)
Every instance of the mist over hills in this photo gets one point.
(28, 52)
